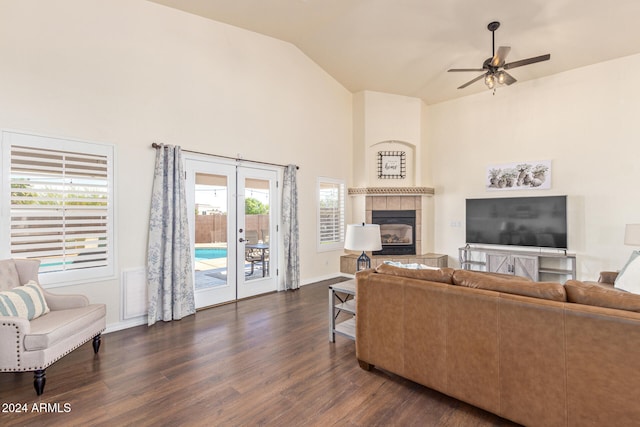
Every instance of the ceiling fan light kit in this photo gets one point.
(493, 67)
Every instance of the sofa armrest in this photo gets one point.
(64, 302)
(12, 331)
(608, 277)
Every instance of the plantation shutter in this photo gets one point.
(60, 208)
(331, 220)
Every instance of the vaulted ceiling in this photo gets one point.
(405, 47)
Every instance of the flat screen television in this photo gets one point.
(519, 221)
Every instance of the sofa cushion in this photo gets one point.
(629, 277)
(601, 295)
(9, 278)
(509, 285)
(25, 301)
(57, 325)
(442, 275)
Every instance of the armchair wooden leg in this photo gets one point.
(39, 380)
(96, 343)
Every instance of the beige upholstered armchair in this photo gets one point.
(38, 328)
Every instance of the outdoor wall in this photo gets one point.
(584, 121)
(132, 72)
(213, 228)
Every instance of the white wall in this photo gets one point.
(386, 122)
(585, 121)
(132, 72)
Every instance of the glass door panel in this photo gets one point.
(257, 249)
(213, 231)
(233, 221)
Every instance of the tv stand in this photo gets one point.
(537, 265)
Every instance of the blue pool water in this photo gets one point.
(210, 253)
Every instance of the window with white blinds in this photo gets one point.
(60, 206)
(331, 206)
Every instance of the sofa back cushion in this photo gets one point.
(9, 278)
(441, 275)
(510, 285)
(25, 301)
(600, 295)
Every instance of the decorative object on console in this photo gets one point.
(365, 237)
(519, 176)
(629, 277)
(392, 165)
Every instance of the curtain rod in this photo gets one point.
(156, 146)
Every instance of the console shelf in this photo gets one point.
(538, 265)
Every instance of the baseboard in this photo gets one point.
(126, 324)
(142, 320)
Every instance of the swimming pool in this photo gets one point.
(210, 253)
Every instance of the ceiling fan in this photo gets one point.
(493, 68)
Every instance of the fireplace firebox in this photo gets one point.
(397, 231)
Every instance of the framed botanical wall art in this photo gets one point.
(519, 176)
(392, 164)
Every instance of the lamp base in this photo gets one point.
(363, 263)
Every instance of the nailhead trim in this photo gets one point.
(19, 369)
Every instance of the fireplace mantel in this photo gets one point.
(391, 191)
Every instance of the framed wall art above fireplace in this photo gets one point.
(392, 164)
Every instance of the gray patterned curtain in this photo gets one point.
(290, 228)
(169, 269)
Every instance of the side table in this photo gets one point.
(342, 299)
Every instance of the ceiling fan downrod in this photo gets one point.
(493, 26)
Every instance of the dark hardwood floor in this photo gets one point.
(261, 361)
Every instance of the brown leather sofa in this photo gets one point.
(539, 354)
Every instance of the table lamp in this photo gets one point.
(363, 237)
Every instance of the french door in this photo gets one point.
(233, 222)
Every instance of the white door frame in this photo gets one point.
(236, 287)
(247, 288)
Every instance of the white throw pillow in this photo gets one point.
(629, 277)
(412, 266)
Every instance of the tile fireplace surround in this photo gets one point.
(394, 198)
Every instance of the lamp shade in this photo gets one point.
(363, 237)
(632, 235)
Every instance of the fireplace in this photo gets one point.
(397, 231)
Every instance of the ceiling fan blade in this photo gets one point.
(508, 78)
(500, 56)
(472, 81)
(527, 61)
(456, 70)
